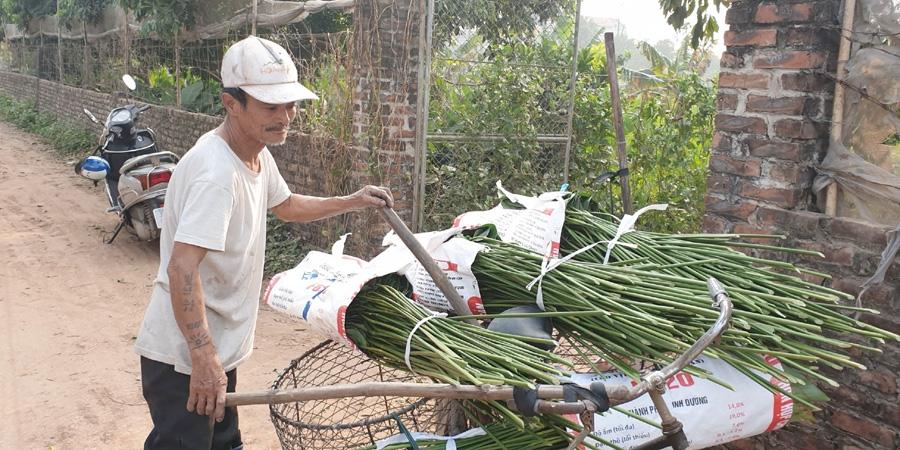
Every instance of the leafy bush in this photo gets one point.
(68, 140)
(197, 93)
(668, 115)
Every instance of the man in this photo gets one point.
(201, 318)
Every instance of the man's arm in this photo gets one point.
(305, 208)
(208, 380)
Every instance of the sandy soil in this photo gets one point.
(70, 306)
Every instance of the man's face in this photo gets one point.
(262, 122)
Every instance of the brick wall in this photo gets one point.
(385, 67)
(306, 162)
(772, 126)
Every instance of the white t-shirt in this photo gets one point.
(214, 201)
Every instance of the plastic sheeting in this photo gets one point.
(866, 164)
(214, 22)
(866, 190)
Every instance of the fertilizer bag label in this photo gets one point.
(319, 290)
(454, 257)
(711, 414)
(323, 285)
(537, 227)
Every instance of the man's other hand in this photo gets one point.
(208, 384)
(373, 196)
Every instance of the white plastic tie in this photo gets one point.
(431, 315)
(548, 264)
(337, 249)
(627, 225)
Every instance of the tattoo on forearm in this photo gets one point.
(198, 339)
(187, 290)
(195, 325)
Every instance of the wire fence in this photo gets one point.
(496, 97)
(499, 104)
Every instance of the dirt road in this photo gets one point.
(70, 306)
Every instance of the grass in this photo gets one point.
(69, 140)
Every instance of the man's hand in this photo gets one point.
(208, 383)
(373, 196)
(305, 208)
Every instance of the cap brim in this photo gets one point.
(279, 93)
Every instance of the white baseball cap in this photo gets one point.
(264, 70)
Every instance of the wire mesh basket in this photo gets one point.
(348, 423)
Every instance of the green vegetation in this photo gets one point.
(68, 140)
(198, 94)
(72, 12)
(284, 249)
(668, 115)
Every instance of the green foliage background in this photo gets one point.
(668, 115)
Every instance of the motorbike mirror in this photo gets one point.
(91, 116)
(129, 81)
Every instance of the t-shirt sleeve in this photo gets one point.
(204, 219)
(278, 190)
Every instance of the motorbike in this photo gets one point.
(135, 172)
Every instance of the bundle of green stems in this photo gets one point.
(381, 320)
(625, 312)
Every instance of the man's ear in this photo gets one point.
(229, 103)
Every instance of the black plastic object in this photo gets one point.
(535, 327)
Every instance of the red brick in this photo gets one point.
(726, 102)
(863, 428)
(731, 61)
(784, 198)
(746, 228)
(842, 256)
(722, 207)
(715, 224)
(891, 415)
(799, 224)
(757, 38)
(796, 129)
(882, 297)
(860, 232)
(743, 81)
(790, 173)
(781, 150)
(886, 383)
(737, 14)
(721, 142)
(846, 397)
(740, 167)
(809, 37)
(775, 13)
(812, 107)
(806, 82)
(740, 124)
(718, 183)
(784, 59)
(781, 105)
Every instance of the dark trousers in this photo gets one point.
(174, 427)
